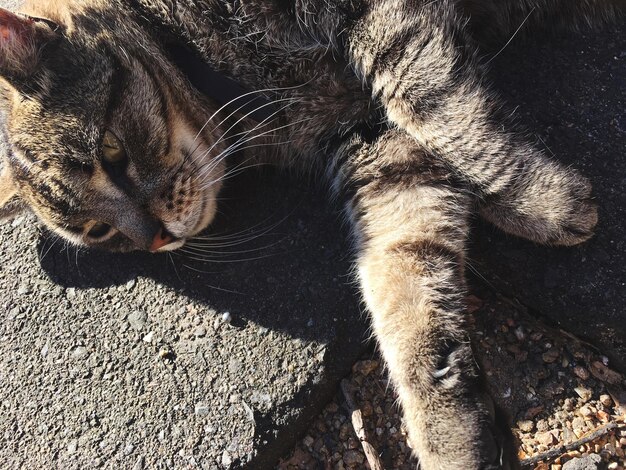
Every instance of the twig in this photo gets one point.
(359, 429)
(558, 451)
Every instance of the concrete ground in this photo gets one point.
(137, 361)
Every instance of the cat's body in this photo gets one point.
(110, 146)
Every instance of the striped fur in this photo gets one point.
(387, 97)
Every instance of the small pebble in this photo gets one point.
(606, 400)
(166, 353)
(23, 290)
(78, 352)
(202, 409)
(226, 459)
(227, 317)
(148, 338)
(550, 356)
(584, 393)
(569, 404)
(579, 426)
(137, 320)
(589, 462)
(72, 446)
(526, 426)
(545, 438)
(353, 458)
(581, 372)
(542, 425)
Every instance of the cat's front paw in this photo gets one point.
(550, 204)
(579, 215)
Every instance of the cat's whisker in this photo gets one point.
(271, 103)
(241, 167)
(42, 255)
(208, 241)
(261, 91)
(234, 147)
(191, 268)
(197, 257)
(225, 136)
(171, 259)
(200, 248)
(241, 234)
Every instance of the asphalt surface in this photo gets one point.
(141, 361)
(116, 359)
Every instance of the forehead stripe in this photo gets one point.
(23, 153)
(117, 82)
(40, 187)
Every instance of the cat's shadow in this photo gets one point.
(277, 246)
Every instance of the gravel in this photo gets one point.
(543, 400)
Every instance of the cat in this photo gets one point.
(112, 147)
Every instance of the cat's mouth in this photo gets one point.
(173, 236)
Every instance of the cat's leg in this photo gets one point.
(410, 228)
(422, 66)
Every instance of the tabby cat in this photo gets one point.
(111, 146)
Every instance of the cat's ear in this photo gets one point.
(11, 205)
(22, 41)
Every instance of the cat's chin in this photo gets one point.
(175, 245)
(208, 212)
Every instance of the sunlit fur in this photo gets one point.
(386, 98)
(56, 119)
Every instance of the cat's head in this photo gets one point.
(106, 139)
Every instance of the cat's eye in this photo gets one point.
(99, 230)
(113, 149)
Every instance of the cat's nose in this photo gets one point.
(161, 238)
